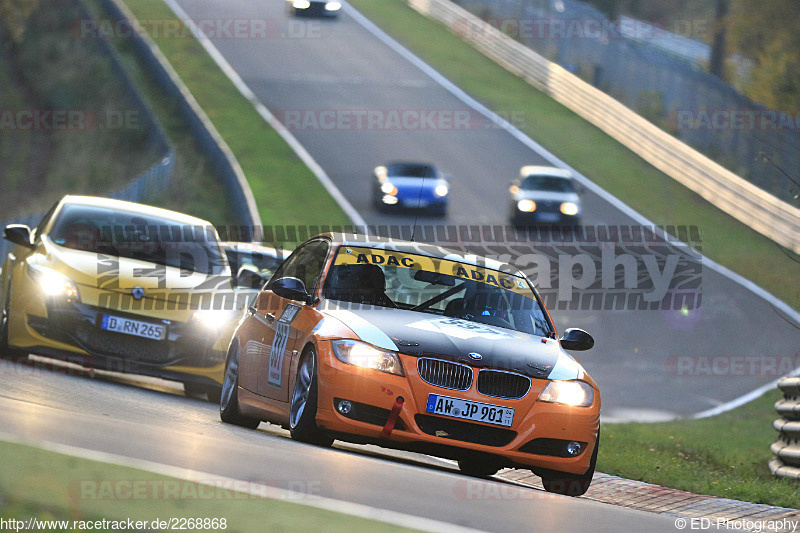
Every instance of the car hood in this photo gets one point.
(423, 334)
(119, 274)
(546, 195)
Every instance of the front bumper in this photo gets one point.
(72, 331)
(532, 441)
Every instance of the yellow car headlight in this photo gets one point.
(574, 393)
(365, 355)
(215, 319)
(53, 283)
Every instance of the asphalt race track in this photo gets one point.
(163, 426)
(649, 363)
(337, 66)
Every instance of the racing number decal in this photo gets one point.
(279, 344)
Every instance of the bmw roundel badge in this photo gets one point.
(475, 356)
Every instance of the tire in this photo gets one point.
(303, 407)
(477, 467)
(571, 484)
(229, 397)
(6, 352)
(213, 393)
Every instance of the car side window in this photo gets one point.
(37, 231)
(305, 264)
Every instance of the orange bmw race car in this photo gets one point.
(416, 347)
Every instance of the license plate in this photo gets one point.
(467, 410)
(549, 217)
(134, 327)
(417, 202)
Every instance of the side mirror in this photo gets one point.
(249, 277)
(576, 339)
(18, 234)
(292, 289)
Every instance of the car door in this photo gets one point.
(281, 332)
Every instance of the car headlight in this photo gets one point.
(569, 208)
(388, 188)
(574, 393)
(333, 6)
(441, 190)
(365, 355)
(301, 4)
(215, 319)
(526, 206)
(53, 283)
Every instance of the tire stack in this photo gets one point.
(786, 462)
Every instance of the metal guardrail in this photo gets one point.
(744, 201)
(786, 450)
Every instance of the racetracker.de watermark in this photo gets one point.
(596, 29)
(251, 29)
(392, 120)
(731, 365)
(736, 120)
(68, 120)
(119, 490)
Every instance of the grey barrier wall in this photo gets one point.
(786, 450)
(739, 198)
(150, 183)
(624, 59)
(222, 159)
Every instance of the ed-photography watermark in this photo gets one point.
(610, 268)
(742, 524)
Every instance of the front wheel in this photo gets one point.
(6, 351)
(571, 484)
(303, 409)
(229, 397)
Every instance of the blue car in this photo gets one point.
(410, 186)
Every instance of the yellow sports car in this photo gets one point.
(123, 287)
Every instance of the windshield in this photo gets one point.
(410, 170)
(136, 236)
(436, 286)
(547, 183)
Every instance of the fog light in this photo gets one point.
(574, 448)
(344, 407)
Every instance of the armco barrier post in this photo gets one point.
(786, 450)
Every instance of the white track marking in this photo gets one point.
(255, 489)
(265, 113)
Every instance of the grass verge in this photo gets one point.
(50, 486)
(725, 455)
(286, 191)
(590, 151)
